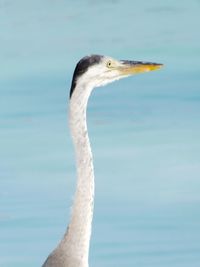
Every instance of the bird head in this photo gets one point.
(96, 70)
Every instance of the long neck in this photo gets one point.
(77, 238)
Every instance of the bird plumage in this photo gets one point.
(90, 72)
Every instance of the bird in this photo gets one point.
(90, 72)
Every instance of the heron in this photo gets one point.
(90, 72)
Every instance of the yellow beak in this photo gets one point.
(133, 67)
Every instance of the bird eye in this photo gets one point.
(109, 64)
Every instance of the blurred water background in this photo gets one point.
(144, 130)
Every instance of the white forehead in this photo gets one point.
(101, 66)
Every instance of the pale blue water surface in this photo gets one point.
(145, 131)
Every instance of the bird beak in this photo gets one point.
(133, 67)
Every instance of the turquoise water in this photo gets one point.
(144, 131)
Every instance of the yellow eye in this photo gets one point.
(109, 64)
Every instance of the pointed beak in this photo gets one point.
(133, 67)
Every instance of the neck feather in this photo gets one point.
(76, 240)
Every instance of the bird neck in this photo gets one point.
(77, 238)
